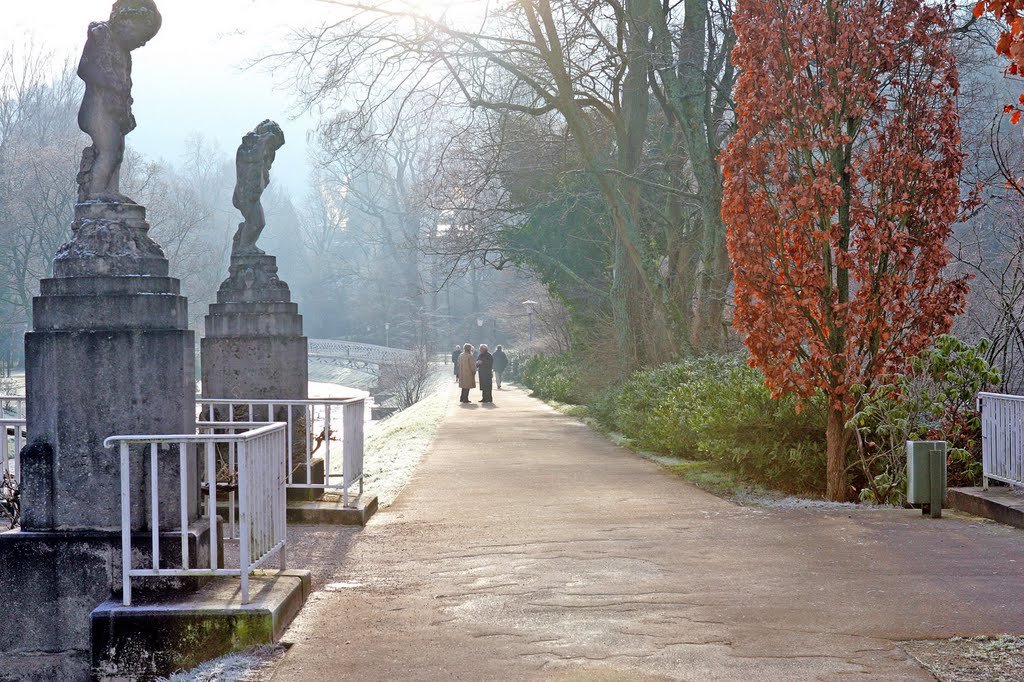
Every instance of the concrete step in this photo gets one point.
(157, 637)
(330, 510)
(1001, 504)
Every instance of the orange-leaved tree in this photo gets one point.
(840, 192)
(1011, 41)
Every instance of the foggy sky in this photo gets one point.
(190, 78)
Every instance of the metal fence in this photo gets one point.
(12, 406)
(314, 424)
(262, 531)
(1002, 438)
(12, 440)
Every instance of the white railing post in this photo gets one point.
(243, 522)
(154, 505)
(183, 500)
(126, 526)
(352, 447)
(211, 508)
(281, 503)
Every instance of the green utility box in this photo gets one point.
(926, 475)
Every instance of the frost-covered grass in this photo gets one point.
(971, 659)
(321, 372)
(246, 666)
(13, 385)
(395, 445)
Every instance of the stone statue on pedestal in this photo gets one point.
(252, 165)
(252, 274)
(110, 232)
(106, 112)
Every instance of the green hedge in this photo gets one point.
(553, 378)
(712, 408)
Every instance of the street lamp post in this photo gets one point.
(529, 311)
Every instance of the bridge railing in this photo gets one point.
(261, 501)
(312, 427)
(356, 353)
(1002, 438)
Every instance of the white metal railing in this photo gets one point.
(1002, 438)
(261, 500)
(12, 440)
(12, 406)
(313, 424)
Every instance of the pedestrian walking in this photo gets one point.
(467, 372)
(485, 368)
(455, 361)
(500, 363)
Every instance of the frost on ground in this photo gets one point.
(971, 659)
(246, 666)
(395, 446)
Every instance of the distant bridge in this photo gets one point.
(363, 357)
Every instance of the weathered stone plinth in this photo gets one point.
(110, 353)
(110, 239)
(254, 348)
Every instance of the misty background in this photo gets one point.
(351, 234)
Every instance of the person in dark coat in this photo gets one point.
(455, 361)
(467, 372)
(485, 369)
(500, 363)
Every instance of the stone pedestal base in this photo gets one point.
(108, 356)
(52, 581)
(254, 367)
(254, 349)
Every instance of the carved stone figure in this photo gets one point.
(106, 112)
(252, 165)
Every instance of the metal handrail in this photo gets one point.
(1002, 438)
(306, 410)
(261, 501)
(19, 402)
(12, 429)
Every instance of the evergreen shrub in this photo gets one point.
(712, 408)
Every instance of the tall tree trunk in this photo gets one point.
(685, 83)
(837, 438)
(622, 318)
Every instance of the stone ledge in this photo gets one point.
(105, 286)
(155, 638)
(132, 312)
(998, 504)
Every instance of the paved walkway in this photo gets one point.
(529, 547)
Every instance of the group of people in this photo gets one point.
(469, 363)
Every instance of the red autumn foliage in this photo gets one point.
(1011, 40)
(841, 187)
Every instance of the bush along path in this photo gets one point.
(530, 547)
(716, 413)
